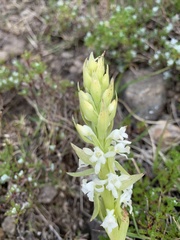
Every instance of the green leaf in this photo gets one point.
(82, 173)
(81, 154)
(96, 207)
(132, 179)
(120, 168)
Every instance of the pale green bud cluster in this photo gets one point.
(96, 104)
(109, 186)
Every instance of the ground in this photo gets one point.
(37, 126)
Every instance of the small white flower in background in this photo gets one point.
(4, 178)
(166, 75)
(125, 198)
(21, 160)
(158, 1)
(155, 9)
(115, 182)
(20, 174)
(167, 55)
(109, 222)
(169, 27)
(13, 210)
(177, 48)
(89, 188)
(175, 18)
(170, 62)
(178, 62)
(29, 179)
(25, 205)
(173, 41)
(98, 157)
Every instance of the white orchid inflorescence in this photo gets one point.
(110, 185)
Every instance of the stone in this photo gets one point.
(147, 96)
(3, 56)
(166, 133)
(14, 46)
(47, 194)
(9, 226)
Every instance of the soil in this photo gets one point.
(59, 211)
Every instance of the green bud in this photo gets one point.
(92, 64)
(86, 77)
(100, 68)
(85, 132)
(105, 80)
(85, 96)
(108, 94)
(95, 91)
(112, 109)
(87, 111)
(103, 122)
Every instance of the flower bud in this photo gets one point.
(108, 94)
(88, 111)
(112, 109)
(86, 77)
(95, 91)
(105, 80)
(100, 68)
(91, 64)
(85, 132)
(102, 124)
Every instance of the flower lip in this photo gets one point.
(109, 222)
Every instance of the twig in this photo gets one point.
(48, 224)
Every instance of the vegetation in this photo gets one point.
(37, 104)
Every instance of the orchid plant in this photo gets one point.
(109, 185)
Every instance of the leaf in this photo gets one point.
(96, 207)
(81, 154)
(120, 168)
(132, 179)
(82, 173)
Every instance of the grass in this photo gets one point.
(36, 126)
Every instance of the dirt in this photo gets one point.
(64, 214)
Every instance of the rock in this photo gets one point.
(145, 97)
(14, 46)
(47, 194)
(3, 56)
(167, 133)
(9, 226)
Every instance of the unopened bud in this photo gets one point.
(91, 64)
(105, 80)
(96, 92)
(108, 94)
(88, 111)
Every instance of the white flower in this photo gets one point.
(98, 157)
(20, 174)
(155, 9)
(167, 55)
(115, 182)
(109, 222)
(173, 41)
(13, 210)
(4, 178)
(118, 134)
(121, 148)
(25, 205)
(177, 48)
(166, 75)
(169, 28)
(29, 178)
(21, 160)
(178, 62)
(170, 62)
(89, 188)
(175, 18)
(125, 198)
